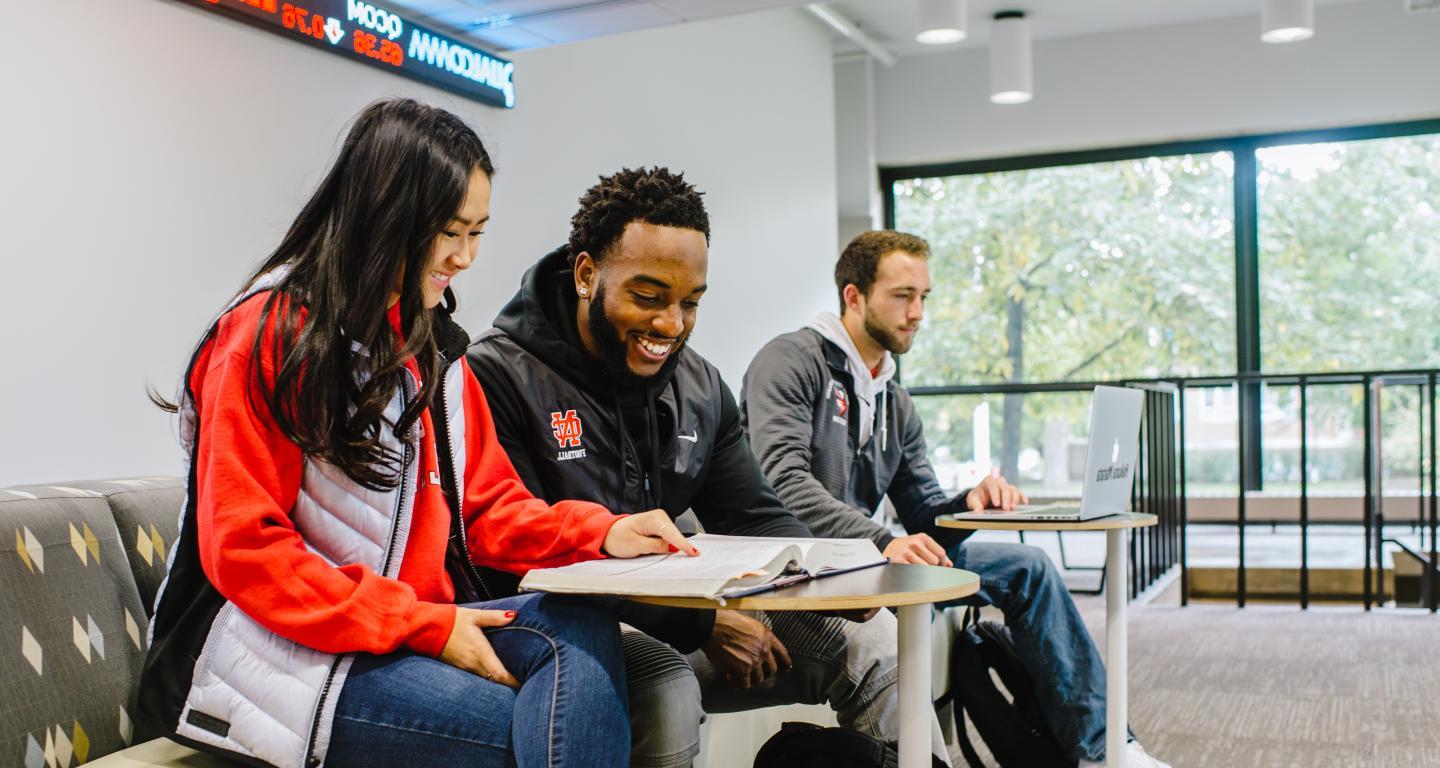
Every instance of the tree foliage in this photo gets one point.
(1127, 269)
(1080, 272)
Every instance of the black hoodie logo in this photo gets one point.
(567, 429)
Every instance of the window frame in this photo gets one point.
(1246, 216)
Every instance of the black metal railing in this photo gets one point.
(1156, 549)
(1161, 478)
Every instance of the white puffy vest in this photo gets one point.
(263, 696)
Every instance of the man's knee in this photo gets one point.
(1037, 568)
(1020, 569)
(665, 708)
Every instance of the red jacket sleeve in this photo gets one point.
(508, 528)
(247, 480)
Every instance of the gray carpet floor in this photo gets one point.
(1213, 686)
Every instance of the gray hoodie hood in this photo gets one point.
(868, 389)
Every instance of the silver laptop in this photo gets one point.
(1109, 463)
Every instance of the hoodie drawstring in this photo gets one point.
(884, 421)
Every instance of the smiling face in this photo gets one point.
(638, 304)
(453, 250)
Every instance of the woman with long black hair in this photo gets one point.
(343, 483)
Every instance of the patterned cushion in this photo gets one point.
(72, 629)
(147, 514)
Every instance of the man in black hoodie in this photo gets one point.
(596, 396)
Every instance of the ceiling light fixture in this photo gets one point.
(1010, 81)
(941, 21)
(1287, 21)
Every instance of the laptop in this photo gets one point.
(1109, 464)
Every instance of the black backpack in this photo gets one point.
(1013, 726)
(806, 745)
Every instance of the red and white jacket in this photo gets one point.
(285, 567)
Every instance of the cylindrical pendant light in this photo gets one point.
(1010, 81)
(941, 21)
(1287, 21)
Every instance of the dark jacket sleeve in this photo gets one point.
(685, 629)
(735, 497)
(782, 387)
(915, 492)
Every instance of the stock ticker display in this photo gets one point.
(373, 34)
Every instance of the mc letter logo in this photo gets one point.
(566, 427)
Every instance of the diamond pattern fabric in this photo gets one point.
(147, 515)
(72, 618)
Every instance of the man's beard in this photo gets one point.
(887, 339)
(614, 353)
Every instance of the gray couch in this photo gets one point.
(78, 586)
(76, 593)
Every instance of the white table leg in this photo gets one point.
(915, 701)
(1116, 596)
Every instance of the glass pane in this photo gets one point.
(968, 437)
(1211, 462)
(1350, 255)
(1073, 273)
(1335, 448)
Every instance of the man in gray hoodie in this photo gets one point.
(835, 434)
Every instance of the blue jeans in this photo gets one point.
(406, 709)
(1049, 635)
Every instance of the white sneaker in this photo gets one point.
(1135, 757)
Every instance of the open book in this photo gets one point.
(728, 566)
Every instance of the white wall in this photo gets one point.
(743, 105)
(154, 153)
(1369, 62)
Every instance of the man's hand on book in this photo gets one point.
(917, 549)
(646, 533)
(744, 650)
(468, 649)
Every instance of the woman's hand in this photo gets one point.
(468, 649)
(646, 533)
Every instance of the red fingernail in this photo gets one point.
(509, 614)
(673, 548)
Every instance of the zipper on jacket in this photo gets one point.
(408, 457)
(455, 501)
(311, 759)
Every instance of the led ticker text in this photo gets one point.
(374, 34)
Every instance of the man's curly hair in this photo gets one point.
(653, 195)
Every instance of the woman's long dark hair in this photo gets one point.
(401, 176)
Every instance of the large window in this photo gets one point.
(1081, 272)
(1299, 253)
(1349, 238)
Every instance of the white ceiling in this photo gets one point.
(518, 24)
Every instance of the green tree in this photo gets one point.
(1100, 271)
(1126, 269)
(1350, 255)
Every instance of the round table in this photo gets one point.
(1116, 597)
(911, 588)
